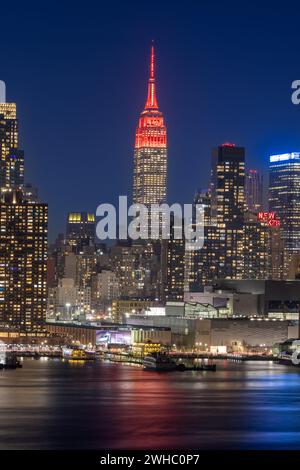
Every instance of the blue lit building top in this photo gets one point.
(284, 157)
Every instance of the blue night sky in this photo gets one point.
(78, 72)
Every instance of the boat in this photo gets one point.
(159, 362)
(288, 352)
(9, 361)
(287, 358)
(182, 367)
(78, 354)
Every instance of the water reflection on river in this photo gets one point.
(59, 405)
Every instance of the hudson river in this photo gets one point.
(49, 404)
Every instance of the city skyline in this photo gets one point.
(149, 230)
(204, 87)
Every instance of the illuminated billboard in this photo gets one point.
(104, 337)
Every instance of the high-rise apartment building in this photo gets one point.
(23, 236)
(105, 288)
(80, 229)
(67, 301)
(137, 268)
(255, 248)
(11, 157)
(253, 190)
(275, 254)
(174, 262)
(23, 263)
(86, 266)
(236, 235)
(228, 207)
(202, 265)
(284, 200)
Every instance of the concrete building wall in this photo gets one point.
(175, 309)
(245, 304)
(87, 335)
(122, 307)
(70, 266)
(220, 332)
(105, 287)
(248, 332)
(293, 331)
(73, 333)
(237, 303)
(154, 335)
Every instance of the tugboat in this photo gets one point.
(159, 362)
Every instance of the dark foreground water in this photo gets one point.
(56, 405)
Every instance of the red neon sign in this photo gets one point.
(274, 223)
(266, 216)
(269, 218)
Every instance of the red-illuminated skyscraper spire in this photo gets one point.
(150, 154)
(151, 102)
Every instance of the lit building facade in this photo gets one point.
(150, 153)
(122, 308)
(276, 254)
(86, 266)
(23, 263)
(80, 229)
(255, 249)
(23, 236)
(202, 265)
(284, 200)
(137, 268)
(174, 262)
(11, 158)
(228, 207)
(253, 190)
(105, 288)
(68, 301)
(236, 234)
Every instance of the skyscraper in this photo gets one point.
(150, 152)
(275, 254)
(11, 158)
(253, 190)
(137, 268)
(228, 206)
(202, 265)
(173, 260)
(23, 263)
(284, 201)
(80, 229)
(255, 248)
(23, 236)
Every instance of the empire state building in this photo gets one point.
(150, 152)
